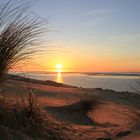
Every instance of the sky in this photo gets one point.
(90, 35)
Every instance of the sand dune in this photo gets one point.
(74, 113)
(85, 114)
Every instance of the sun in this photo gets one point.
(59, 66)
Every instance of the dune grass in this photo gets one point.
(21, 34)
(90, 103)
(24, 116)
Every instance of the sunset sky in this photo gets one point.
(90, 35)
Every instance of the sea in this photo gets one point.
(115, 81)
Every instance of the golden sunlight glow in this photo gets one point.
(59, 70)
(59, 66)
(59, 78)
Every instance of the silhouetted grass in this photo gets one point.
(26, 112)
(90, 103)
(136, 88)
(20, 34)
(24, 118)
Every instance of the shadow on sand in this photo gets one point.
(74, 113)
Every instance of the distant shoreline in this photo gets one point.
(56, 84)
(88, 73)
(114, 74)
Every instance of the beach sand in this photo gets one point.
(83, 114)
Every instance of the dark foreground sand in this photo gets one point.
(83, 114)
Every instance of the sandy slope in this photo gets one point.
(115, 116)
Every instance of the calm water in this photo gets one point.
(118, 83)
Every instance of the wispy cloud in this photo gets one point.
(123, 37)
(93, 37)
(101, 12)
(97, 15)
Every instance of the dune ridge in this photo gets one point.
(78, 113)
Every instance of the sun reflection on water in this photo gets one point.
(59, 77)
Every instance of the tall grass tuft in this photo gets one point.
(25, 115)
(31, 109)
(21, 32)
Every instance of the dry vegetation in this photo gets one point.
(90, 103)
(24, 119)
(21, 34)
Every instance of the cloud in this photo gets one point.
(95, 16)
(94, 37)
(123, 37)
(101, 12)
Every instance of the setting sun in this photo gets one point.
(59, 66)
